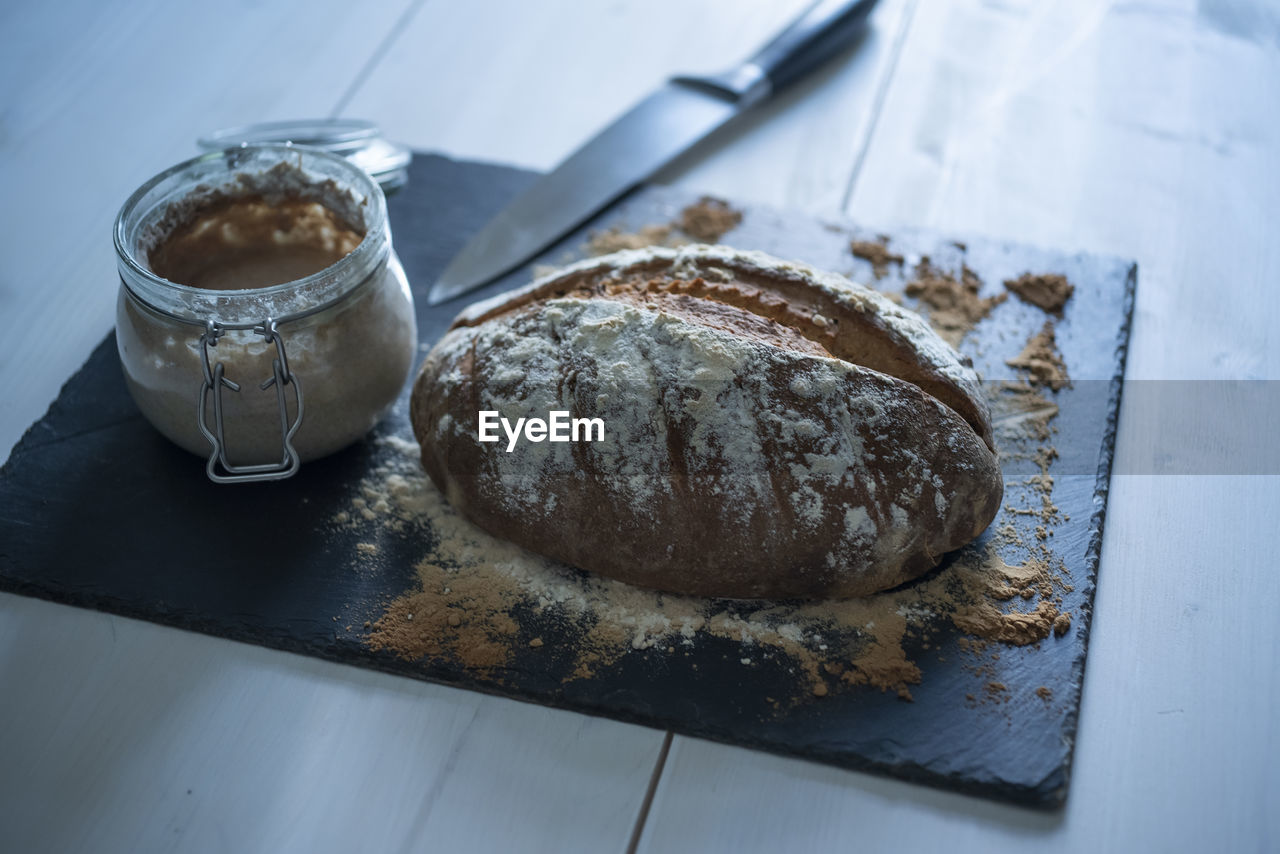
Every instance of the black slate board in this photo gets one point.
(97, 510)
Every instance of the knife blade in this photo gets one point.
(645, 138)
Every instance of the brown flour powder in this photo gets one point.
(708, 219)
(616, 240)
(1042, 361)
(1046, 291)
(951, 302)
(1021, 413)
(704, 221)
(877, 253)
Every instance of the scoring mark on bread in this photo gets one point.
(851, 322)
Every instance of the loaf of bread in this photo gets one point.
(770, 431)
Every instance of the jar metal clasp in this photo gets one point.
(219, 468)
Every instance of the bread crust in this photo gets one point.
(772, 431)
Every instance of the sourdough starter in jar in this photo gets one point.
(214, 252)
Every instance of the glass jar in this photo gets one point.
(261, 379)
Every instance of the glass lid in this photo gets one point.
(359, 141)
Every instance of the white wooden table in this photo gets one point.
(1150, 130)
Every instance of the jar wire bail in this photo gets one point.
(219, 468)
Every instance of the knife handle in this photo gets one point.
(825, 29)
(828, 27)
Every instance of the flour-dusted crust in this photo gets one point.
(771, 430)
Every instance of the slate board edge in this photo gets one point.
(1093, 553)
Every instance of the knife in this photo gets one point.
(646, 138)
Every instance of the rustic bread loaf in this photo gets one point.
(771, 431)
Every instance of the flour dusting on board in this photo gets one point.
(471, 583)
